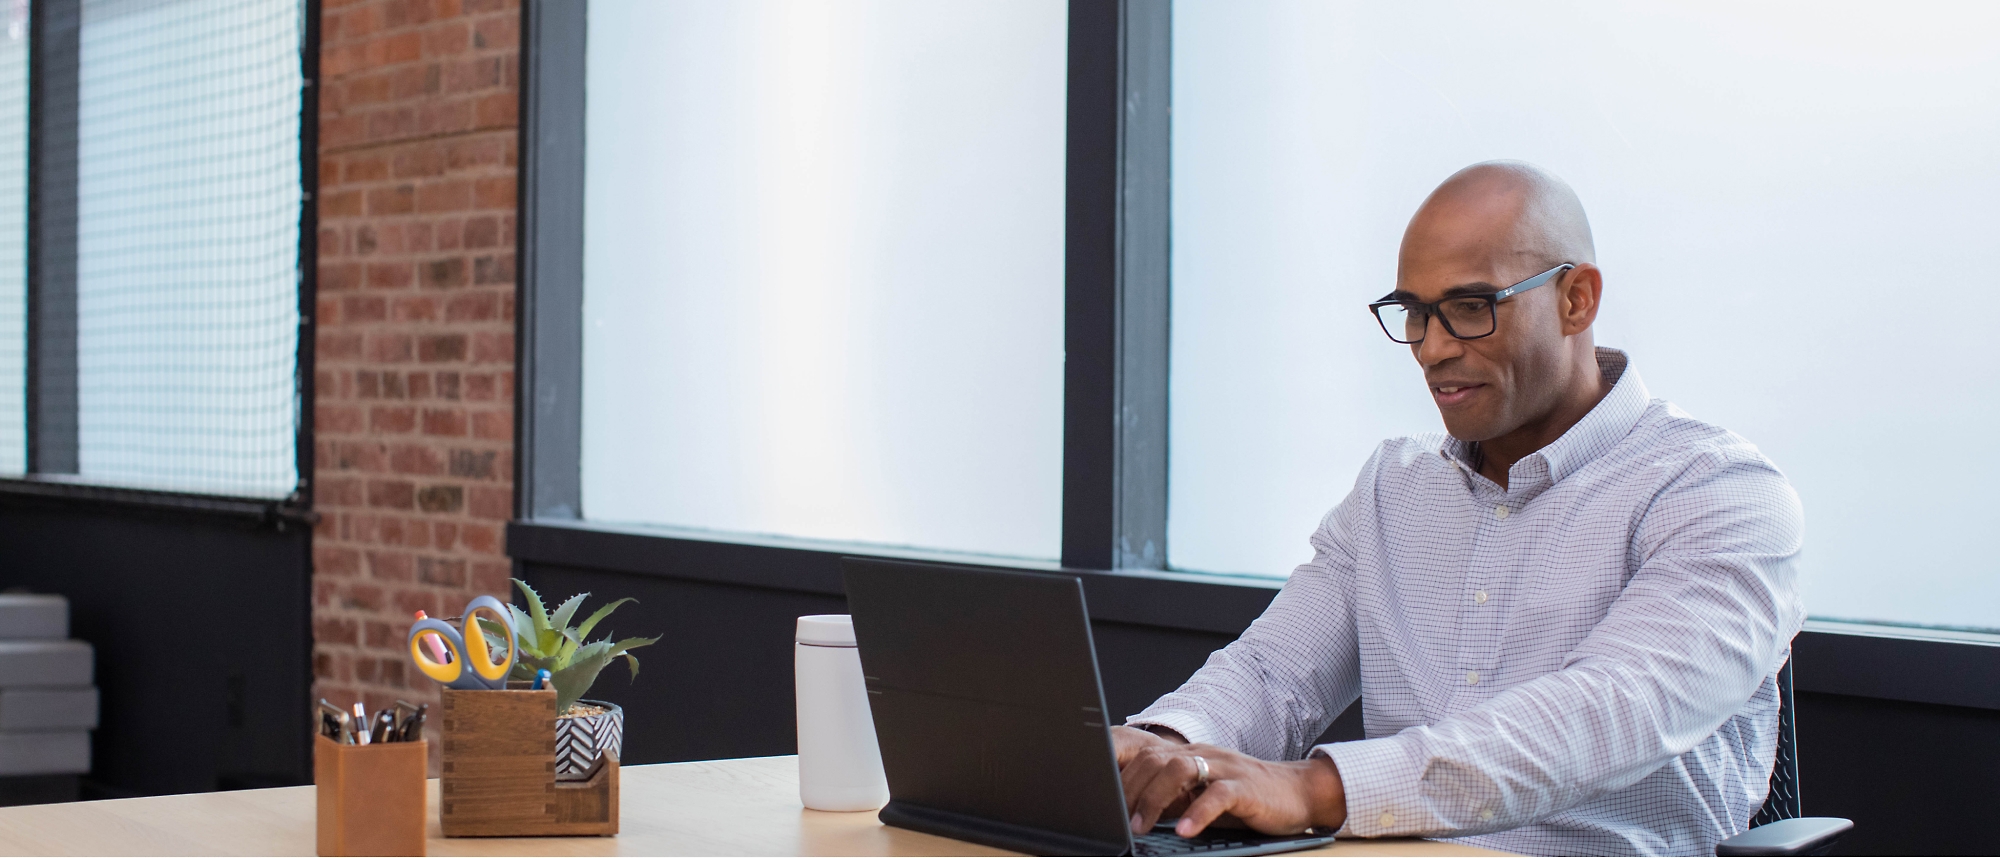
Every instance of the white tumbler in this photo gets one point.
(840, 768)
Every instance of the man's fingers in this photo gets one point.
(1218, 799)
(1172, 779)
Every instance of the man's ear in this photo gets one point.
(1580, 288)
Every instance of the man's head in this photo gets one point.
(1488, 227)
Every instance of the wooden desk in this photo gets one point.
(727, 807)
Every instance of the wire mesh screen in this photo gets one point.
(14, 237)
(188, 201)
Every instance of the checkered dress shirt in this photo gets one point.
(1583, 662)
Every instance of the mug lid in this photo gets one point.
(826, 630)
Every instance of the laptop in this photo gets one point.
(991, 717)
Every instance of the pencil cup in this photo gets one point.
(371, 797)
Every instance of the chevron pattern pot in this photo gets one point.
(580, 738)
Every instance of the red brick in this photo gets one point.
(392, 420)
(493, 504)
(336, 560)
(415, 267)
(444, 422)
(493, 348)
(389, 275)
(493, 426)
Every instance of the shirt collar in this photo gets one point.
(1600, 430)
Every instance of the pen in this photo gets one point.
(360, 724)
(413, 727)
(541, 680)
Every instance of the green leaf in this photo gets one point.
(496, 636)
(583, 631)
(574, 681)
(541, 613)
(632, 664)
(560, 619)
(524, 631)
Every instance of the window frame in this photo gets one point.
(55, 29)
(1117, 329)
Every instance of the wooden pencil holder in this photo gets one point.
(499, 771)
(371, 797)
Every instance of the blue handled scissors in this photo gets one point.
(470, 663)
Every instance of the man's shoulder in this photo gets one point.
(1407, 453)
(1667, 437)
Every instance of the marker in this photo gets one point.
(438, 653)
(541, 680)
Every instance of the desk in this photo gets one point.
(726, 807)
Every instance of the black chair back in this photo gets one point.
(1783, 801)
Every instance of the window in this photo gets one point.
(823, 270)
(165, 282)
(188, 193)
(14, 241)
(1778, 203)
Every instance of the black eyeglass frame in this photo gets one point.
(1430, 309)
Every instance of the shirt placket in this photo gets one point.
(1477, 609)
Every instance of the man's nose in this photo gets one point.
(1438, 344)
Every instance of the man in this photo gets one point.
(1564, 621)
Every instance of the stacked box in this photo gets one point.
(48, 704)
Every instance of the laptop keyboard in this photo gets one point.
(1168, 843)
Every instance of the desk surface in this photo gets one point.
(726, 807)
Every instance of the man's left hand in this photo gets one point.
(1274, 798)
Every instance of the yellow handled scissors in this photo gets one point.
(469, 663)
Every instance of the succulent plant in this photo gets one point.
(547, 641)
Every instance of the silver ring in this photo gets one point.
(1200, 771)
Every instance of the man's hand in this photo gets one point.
(1161, 780)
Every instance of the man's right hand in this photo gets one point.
(1128, 741)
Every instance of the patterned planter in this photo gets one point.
(580, 738)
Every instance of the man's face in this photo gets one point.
(1487, 387)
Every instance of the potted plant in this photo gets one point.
(546, 641)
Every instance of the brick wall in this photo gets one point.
(414, 417)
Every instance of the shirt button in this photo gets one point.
(1500, 512)
(1486, 816)
(1479, 597)
(1388, 819)
(1472, 677)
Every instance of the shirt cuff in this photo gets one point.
(1383, 786)
(1192, 727)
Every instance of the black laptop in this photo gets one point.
(991, 719)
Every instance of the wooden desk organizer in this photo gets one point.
(371, 797)
(499, 773)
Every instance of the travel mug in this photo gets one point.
(840, 767)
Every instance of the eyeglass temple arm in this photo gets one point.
(1531, 282)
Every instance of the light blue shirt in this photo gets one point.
(1583, 662)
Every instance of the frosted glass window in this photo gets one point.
(1787, 199)
(14, 240)
(823, 270)
(187, 244)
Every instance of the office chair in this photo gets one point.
(1780, 828)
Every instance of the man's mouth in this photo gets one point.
(1453, 394)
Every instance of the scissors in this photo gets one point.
(469, 661)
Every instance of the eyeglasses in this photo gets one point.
(1467, 317)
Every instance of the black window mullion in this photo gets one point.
(1116, 285)
(55, 26)
(549, 340)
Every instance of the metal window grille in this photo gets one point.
(187, 210)
(14, 238)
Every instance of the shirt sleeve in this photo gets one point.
(1278, 686)
(1705, 619)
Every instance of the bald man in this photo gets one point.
(1564, 619)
